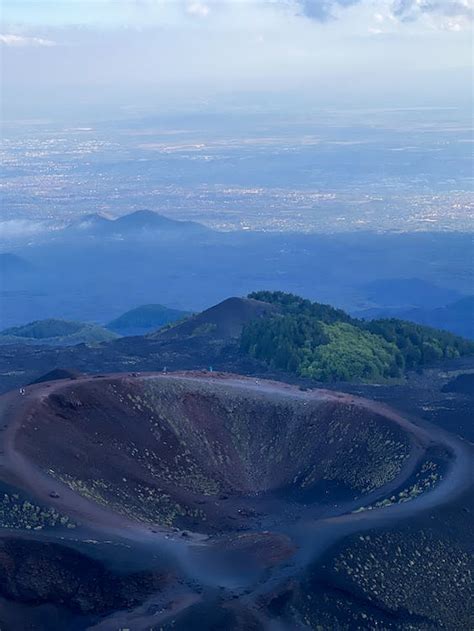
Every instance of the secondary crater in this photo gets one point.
(215, 453)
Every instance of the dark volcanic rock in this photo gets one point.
(223, 321)
(462, 384)
(37, 572)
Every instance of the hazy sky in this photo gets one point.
(125, 53)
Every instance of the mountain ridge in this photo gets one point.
(145, 319)
(456, 317)
(138, 221)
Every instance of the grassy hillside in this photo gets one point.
(145, 319)
(56, 333)
(318, 341)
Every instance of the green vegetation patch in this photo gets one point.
(420, 344)
(56, 332)
(19, 513)
(352, 354)
(425, 480)
(317, 341)
(136, 501)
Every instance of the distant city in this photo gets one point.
(322, 173)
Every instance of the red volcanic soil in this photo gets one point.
(225, 320)
(182, 450)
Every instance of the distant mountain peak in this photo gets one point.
(144, 213)
(91, 221)
(144, 218)
(96, 217)
(144, 319)
(137, 221)
(149, 219)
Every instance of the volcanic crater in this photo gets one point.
(246, 481)
(213, 454)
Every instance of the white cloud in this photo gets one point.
(451, 14)
(8, 39)
(198, 9)
(454, 15)
(12, 229)
(454, 25)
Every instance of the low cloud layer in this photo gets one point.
(9, 39)
(13, 230)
